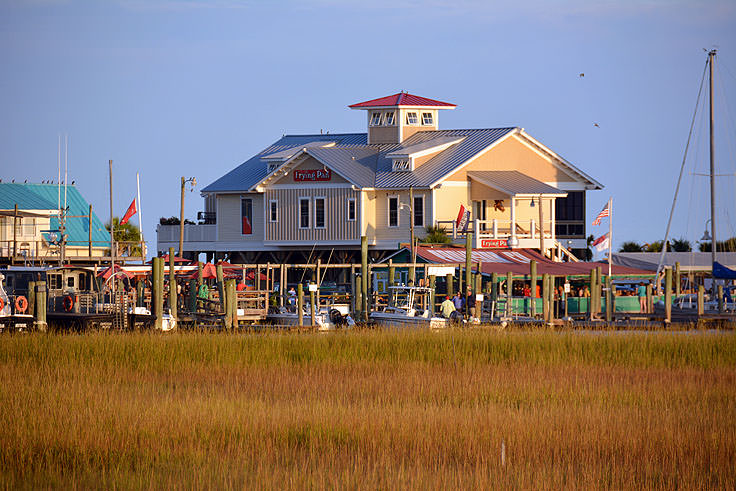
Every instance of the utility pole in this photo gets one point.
(181, 213)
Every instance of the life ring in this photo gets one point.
(21, 303)
(2, 304)
(68, 303)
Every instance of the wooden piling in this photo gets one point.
(701, 299)
(40, 322)
(719, 291)
(668, 295)
(300, 304)
(225, 305)
(157, 294)
(192, 295)
(449, 283)
(139, 293)
(173, 294)
(391, 278)
(545, 297)
(509, 293)
(234, 304)
(468, 259)
(221, 286)
(365, 275)
(494, 287)
(677, 279)
(200, 266)
(591, 303)
(609, 300)
(31, 298)
(533, 277)
(650, 300)
(319, 279)
(432, 302)
(312, 298)
(358, 296)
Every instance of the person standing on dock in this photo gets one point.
(447, 307)
(642, 293)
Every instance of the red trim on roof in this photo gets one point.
(517, 261)
(402, 99)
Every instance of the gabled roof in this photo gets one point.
(252, 171)
(44, 197)
(514, 183)
(370, 166)
(402, 99)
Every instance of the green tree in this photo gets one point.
(631, 246)
(655, 246)
(128, 236)
(723, 245)
(435, 235)
(681, 245)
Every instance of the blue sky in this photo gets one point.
(193, 88)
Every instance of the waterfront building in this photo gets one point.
(31, 232)
(313, 196)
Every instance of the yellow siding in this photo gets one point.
(229, 222)
(383, 134)
(338, 228)
(448, 199)
(512, 154)
(378, 218)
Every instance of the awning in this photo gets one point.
(514, 183)
(517, 261)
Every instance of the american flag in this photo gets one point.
(603, 214)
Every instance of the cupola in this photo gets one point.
(394, 118)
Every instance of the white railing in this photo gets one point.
(498, 229)
(192, 233)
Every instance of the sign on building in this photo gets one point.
(301, 175)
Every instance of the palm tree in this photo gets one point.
(435, 235)
(129, 234)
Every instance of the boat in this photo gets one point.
(408, 306)
(13, 311)
(336, 316)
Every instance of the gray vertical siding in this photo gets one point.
(337, 229)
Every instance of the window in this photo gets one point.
(273, 211)
(389, 120)
(54, 281)
(570, 215)
(246, 216)
(427, 119)
(375, 119)
(401, 165)
(393, 211)
(272, 166)
(83, 283)
(70, 282)
(304, 212)
(418, 211)
(351, 209)
(319, 212)
(411, 118)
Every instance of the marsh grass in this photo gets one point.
(369, 410)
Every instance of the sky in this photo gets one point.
(169, 88)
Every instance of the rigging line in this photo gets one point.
(309, 261)
(682, 168)
(329, 258)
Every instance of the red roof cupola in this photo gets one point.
(394, 118)
(402, 99)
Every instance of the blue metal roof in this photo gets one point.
(44, 197)
(253, 170)
(369, 165)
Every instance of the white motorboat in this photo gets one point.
(409, 307)
(335, 316)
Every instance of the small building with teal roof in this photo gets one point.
(34, 208)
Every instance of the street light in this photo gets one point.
(706, 236)
(193, 182)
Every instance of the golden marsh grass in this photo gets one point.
(369, 410)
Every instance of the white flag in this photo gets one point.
(601, 243)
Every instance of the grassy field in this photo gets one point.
(366, 409)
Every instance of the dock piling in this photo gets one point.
(173, 294)
(667, 295)
(300, 305)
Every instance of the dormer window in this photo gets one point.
(389, 119)
(411, 118)
(375, 119)
(402, 165)
(427, 119)
(272, 166)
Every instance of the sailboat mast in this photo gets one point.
(711, 58)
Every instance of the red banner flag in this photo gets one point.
(132, 210)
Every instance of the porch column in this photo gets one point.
(514, 241)
(552, 218)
